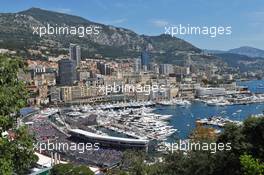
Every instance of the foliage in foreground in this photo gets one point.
(16, 152)
(245, 157)
(70, 169)
(251, 166)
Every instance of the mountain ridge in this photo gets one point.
(113, 42)
(111, 39)
(243, 50)
(248, 51)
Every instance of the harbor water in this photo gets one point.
(184, 117)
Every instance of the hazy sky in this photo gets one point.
(246, 17)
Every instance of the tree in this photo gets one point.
(23, 151)
(13, 94)
(132, 163)
(16, 155)
(246, 138)
(70, 169)
(227, 162)
(5, 157)
(254, 134)
(251, 166)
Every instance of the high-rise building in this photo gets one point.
(166, 69)
(75, 54)
(104, 68)
(154, 67)
(54, 94)
(137, 65)
(145, 60)
(67, 72)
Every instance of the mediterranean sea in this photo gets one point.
(184, 117)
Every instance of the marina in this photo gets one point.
(217, 121)
(234, 99)
(184, 118)
(137, 125)
(179, 102)
(98, 88)
(160, 121)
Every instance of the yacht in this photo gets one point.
(218, 102)
(181, 102)
(166, 103)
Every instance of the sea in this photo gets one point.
(184, 117)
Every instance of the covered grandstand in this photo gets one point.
(104, 140)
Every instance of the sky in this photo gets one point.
(149, 17)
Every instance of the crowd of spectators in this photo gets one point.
(44, 131)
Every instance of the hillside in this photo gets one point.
(245, 50)
(16, 33)
(248, 51)
(243, 62)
